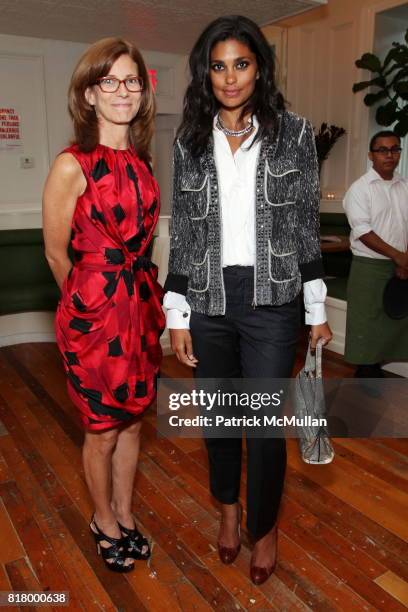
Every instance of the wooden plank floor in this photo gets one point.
(343, 528)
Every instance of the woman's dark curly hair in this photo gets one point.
(200, 104)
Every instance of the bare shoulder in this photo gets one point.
(67, 171)
(66, 166)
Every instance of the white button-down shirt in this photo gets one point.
(236, 176)
(373, 204)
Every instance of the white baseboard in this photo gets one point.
(39, 327)
(24, 216)
(400, 368)
(27, 327)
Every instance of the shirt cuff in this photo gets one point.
(314, 294)
(178, 311)
(361, 230)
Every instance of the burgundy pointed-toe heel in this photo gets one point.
(229, 554)
(258, 574)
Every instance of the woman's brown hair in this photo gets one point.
(95, 63)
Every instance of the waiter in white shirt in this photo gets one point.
(377, 209)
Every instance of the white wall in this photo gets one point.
(57, 60)
(165, 132)
(322, 48)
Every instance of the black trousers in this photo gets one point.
(249, 343)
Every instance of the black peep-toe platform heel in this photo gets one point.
(114, 556)
(135, 541)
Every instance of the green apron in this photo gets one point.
(371, 336)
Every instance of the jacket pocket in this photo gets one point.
(283, 265)
(199, 280)
(281, 186)
(196, 190)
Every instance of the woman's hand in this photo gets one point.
(320, 332)
(182, 345)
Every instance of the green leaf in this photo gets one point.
(386, 115)
(369, 61)
(362, 85)
(391, 70)
(402, 89)
(402, 113)
(401, 74)
(379, 81)
(401, 57)
(401, 128)
(373, 98)
(390, 56)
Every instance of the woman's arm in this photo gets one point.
(179, 268)
(308, 227)
(181, 237)
(65, 183)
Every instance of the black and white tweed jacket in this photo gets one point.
(287, 221)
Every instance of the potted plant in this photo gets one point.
(390, 81)
(325, 139)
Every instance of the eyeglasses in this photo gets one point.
(386, 150)
(112, 84)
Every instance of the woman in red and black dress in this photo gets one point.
(100, 196)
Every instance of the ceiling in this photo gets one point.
(160, 25)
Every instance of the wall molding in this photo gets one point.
(20, 217)
(336, 177)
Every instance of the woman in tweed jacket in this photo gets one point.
(244, 239)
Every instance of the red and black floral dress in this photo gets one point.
(109, 319)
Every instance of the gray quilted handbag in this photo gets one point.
(314, 443)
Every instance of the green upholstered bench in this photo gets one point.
(336, 265)
(26, 282)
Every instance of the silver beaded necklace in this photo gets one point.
(236, 133)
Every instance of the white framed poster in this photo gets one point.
(10, 128)
(24, 158)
